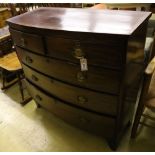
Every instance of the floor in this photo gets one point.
(28, 128)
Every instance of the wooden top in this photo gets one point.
(82, 20)
(10, 62)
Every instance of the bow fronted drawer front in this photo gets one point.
(28, 41)
(99, 79)
(98, 124)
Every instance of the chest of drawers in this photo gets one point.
(53, 44)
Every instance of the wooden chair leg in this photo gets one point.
(38, 105)
(3, 78)
(20, 85)
(4, 85)
(21, 89)
(25, 101)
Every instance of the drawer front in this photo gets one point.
(87, 99)
(86, 120)
(95, 78)
(97, 53)
(28, 41)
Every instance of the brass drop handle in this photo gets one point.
(82, 99)
(78, 53)
(38, 98)
(34, 78)
(81, 76)
(28, 59)
(23, 42)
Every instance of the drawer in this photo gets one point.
(96, 53)
(99, 79)
(28, 41)
(98, 102)
(98, 124)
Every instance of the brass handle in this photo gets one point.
(28, 59)
(82, 99)
(38, 98)
(78, 53)
(22, 42)
(34, 78)
(81, 76)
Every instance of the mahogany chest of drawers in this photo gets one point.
(83, 65)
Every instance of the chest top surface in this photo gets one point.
(82, 20)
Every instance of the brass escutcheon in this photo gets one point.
(28, 59)
(78, 53)
(82, 99)
(34, 78)
(38, 98)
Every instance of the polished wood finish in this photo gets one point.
(90, 49)
(71, 73)
(98, 102)
(112, 42)
(28, 41)
(10, 62)
(93, 21)
(98, 124)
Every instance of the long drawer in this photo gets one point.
(96, 52)
(87, 99)
(95, 78)
(28, 41)
(86, 120)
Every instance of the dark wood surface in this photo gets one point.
(98, 124)
(97, 102)
(29, 41)
(112, 42)
(71, 73)
(90, 49)
(93, 21)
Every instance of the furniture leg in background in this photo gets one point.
(11, 63)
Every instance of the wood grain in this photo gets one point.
(93, 21)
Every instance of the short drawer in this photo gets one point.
(96, 78)
(98, 102)
(96, 53)
(98, 124)
(28, 41)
